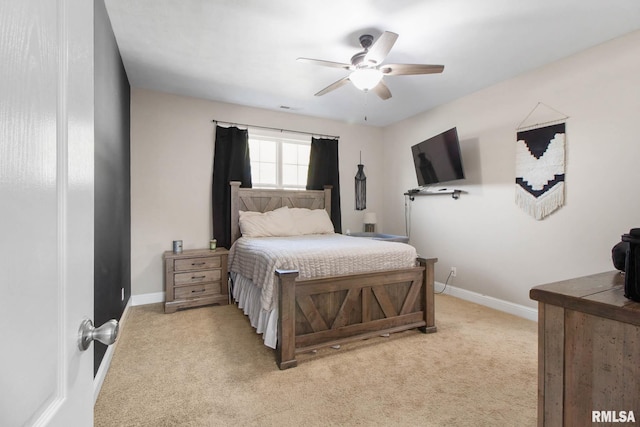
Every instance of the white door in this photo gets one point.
(46, 211)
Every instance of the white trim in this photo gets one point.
(279, 138)
(491, 302)
(134, 300)
(98, 380)
(144, 299)
(488, 301)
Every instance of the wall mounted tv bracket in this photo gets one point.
(455, 194)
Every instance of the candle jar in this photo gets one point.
(212, 244)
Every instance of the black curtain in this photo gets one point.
(230, 163)
(323, 170)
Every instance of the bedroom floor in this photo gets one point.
(207, 367)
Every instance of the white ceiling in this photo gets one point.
(244, 51)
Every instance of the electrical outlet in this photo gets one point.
(454, 271)
(122, 294)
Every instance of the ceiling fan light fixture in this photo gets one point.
(366, 78)
(368, 66)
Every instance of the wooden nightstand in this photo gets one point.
(195, 277)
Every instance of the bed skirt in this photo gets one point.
(247, 296)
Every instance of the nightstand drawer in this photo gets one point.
(197, 277)
(197, 263)
(195, 291)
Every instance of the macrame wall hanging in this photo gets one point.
(540, 162)
(361, 187)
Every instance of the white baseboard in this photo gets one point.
(144, 299)
(491, 302)
(98, 380)
(134, 300)
(495, 303)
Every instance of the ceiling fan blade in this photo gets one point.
(382, 90)
(326, 63)
(381, 48)
(409, 69)
(333, 86)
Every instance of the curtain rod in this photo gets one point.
(277, 129)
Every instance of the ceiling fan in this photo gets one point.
(367, 69)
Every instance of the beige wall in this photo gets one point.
(171, 165)
(499, 250)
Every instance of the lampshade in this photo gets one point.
(366, 78)
(370, 218)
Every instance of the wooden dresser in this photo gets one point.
(195, 277)
(588, 350)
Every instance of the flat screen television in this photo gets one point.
(438, 159)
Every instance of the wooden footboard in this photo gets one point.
(326, 311)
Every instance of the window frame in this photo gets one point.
(279, 138)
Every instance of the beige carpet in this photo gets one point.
(207, 367)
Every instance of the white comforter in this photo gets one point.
(257, 258)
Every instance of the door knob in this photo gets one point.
(106, 334)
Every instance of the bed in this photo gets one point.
(296, 304)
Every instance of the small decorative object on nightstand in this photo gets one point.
(370, 222)
(194, 278)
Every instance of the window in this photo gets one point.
(278, 159)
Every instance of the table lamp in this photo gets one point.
(370, 222)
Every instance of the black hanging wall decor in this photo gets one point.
(361, 187)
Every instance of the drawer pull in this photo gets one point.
(198, 277)
(198, 263)
(197, 291)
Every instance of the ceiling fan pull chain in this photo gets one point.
(366, 93)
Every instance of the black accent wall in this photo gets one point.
(112, 247)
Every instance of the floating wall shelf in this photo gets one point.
(454, 193)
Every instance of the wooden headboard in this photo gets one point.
(264, 200)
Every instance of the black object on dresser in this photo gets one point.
(632, 265)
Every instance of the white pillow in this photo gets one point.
(268, 224)
(312, 221)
